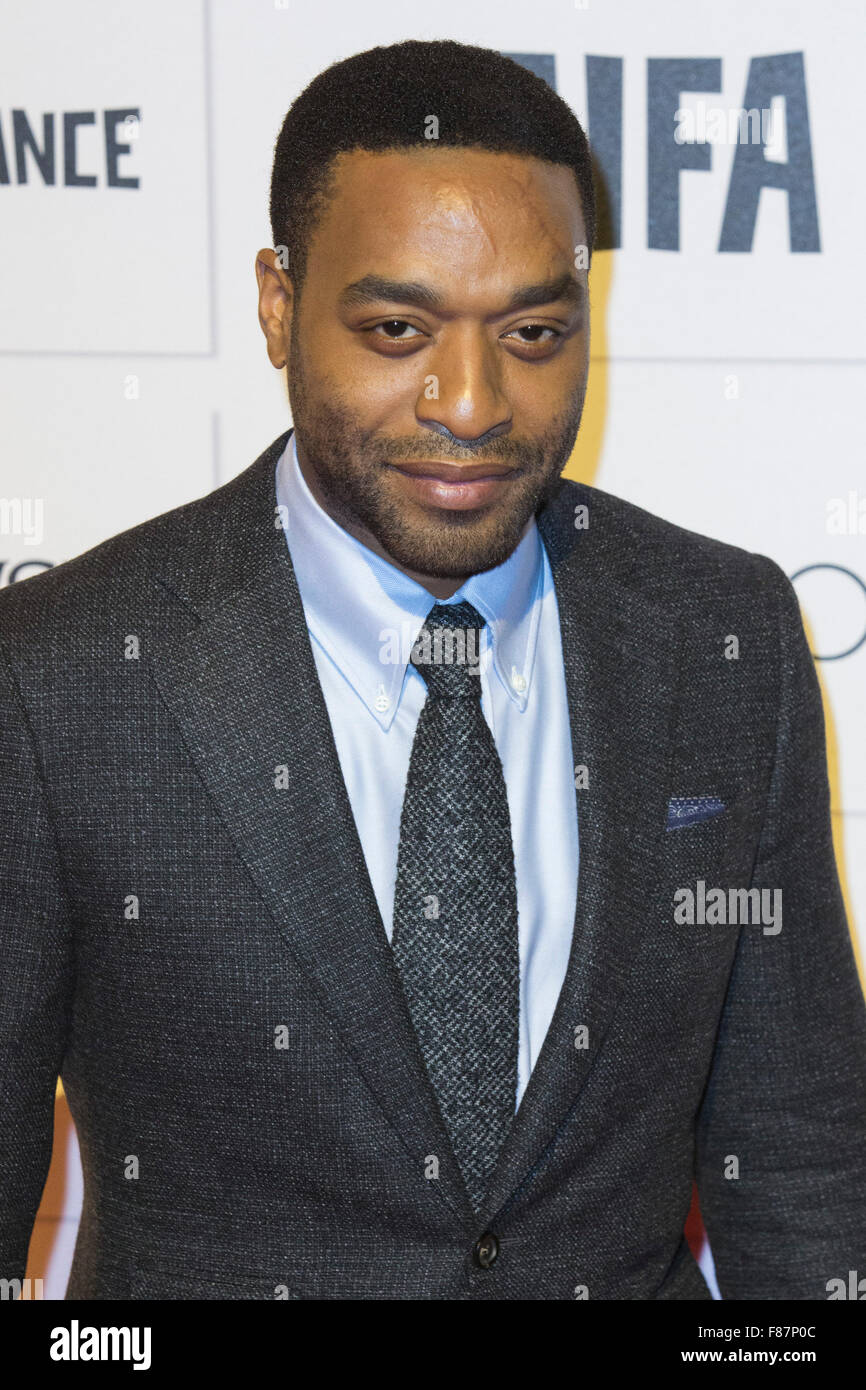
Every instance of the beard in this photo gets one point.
(349, 464)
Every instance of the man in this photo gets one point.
(296, 780)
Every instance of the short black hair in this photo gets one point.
(383, 98)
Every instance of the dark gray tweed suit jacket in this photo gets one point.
(168, 915)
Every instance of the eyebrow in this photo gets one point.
(373, 289)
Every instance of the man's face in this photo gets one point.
(438, 351)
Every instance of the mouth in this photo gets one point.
(454, 486)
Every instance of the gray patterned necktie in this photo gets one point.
(455, 903)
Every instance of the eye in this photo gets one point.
(533, 334)
(394, 330)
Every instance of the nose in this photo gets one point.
(462, 395)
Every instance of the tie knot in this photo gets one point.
(447, 651)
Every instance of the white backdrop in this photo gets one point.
(135, 151)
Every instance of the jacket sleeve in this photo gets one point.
(786, 1098)
(36, 980)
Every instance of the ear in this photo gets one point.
(276, 304)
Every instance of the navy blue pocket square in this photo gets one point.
(688, 810)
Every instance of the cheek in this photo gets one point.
(375, 389)
(335, 376)
(538, 395)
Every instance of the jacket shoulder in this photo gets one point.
(120, 575)
(659, 559)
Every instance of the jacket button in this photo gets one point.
(486, 1250)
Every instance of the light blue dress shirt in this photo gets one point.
(363, 615)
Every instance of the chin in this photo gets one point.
(438, 560)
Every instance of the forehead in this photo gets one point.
(456, 211)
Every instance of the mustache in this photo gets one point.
(435, 448)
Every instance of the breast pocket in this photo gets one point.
(719, 837)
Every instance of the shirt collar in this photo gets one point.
(365, 613)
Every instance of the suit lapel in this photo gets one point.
(620, 656)
(240, 678)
